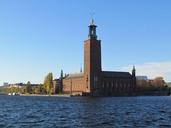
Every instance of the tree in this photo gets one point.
(38, 89)
(159, 82)
(28, 87)
(48, 83)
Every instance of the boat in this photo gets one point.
(14, 94)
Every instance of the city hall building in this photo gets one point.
(93, 81)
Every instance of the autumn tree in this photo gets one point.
(48, 83)
(159, 82)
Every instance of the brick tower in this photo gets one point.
(92, 61)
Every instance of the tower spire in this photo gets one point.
(61, 82)
(81, 70)
(92, 22)
(61, 73)
(133, 71)
(92, 30)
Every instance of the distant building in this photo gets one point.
(16, 85)
(5, 84)
(20, 85)
(142, 78)
(93, 81)
(169, 84)
(57, 85)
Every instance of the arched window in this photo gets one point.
(116, 86)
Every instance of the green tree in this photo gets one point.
(28, 87)
(38, 89)
(48, 83)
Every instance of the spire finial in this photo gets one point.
(81, 70)
(133, 71)
(61, 73)
(92, 22)
(92, 19)
(133, 67)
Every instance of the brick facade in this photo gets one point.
(94, 81)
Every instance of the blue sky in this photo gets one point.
(41, 36)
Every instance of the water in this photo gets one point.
(51, 112)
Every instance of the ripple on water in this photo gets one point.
(72, 112)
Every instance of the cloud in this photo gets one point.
(153, 69)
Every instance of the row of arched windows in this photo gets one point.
(114, 86)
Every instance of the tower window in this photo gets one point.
(92, 32)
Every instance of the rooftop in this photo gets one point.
(75, 75)
(116, 74)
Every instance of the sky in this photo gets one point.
(42, 36)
